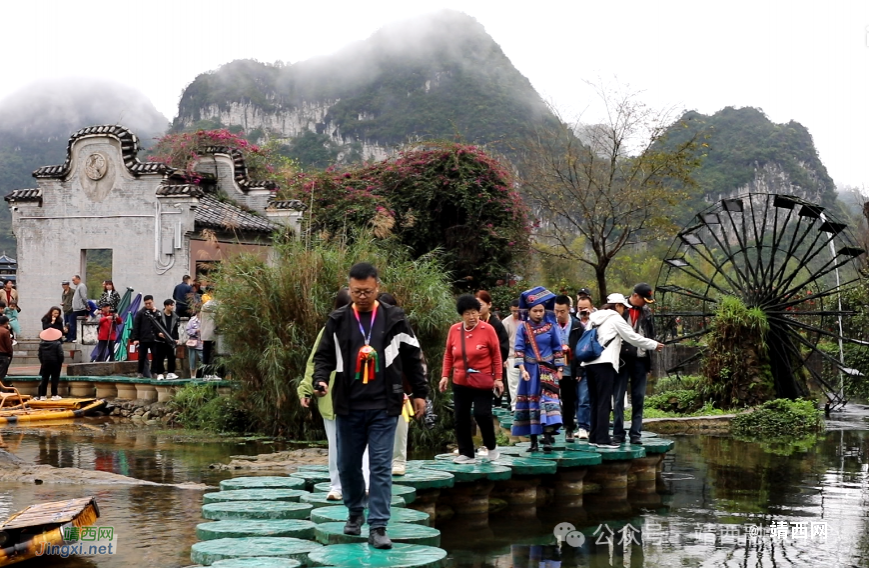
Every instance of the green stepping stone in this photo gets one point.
(313, 468)
(333, 533)
(254, 495)
(566, 459)
(556, 446)
(311, 478)
(525, 466)
(245, 528)
(256, 510)
(512, 450)
(284, 482)
(657, 445)
(407, 493)
(363, 556)
(471, 472)
(339, 513)
(623, 452)
(318, 500)
(257, 562)
(210, 551)
(420, 478)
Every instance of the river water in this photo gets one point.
(720, 502)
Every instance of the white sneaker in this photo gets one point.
(493, 454)
(399, 468)
(465, 460)
(482, 452)
(334, 495)
(159, 377)
(583, 434)
(57, 397)
(171, 376)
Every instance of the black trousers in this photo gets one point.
(144, 348)
(207, 352)
(568, 403)
(601, 379)
(107, 348)
(481, 399)
(164, 351)
(49, 371)
(5, 360)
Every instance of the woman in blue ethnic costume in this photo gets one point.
(540, 360)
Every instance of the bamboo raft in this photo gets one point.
(27, 532)
(37, 411)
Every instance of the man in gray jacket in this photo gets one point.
(79, 303)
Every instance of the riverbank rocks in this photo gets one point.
(143, 413)
(256, 510)
(210, 551)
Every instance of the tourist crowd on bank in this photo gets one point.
(154, 334)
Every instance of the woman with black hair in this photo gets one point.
(473, 357)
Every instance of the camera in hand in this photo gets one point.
(320, 387)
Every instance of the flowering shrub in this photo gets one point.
(182, 151)
(435, 195)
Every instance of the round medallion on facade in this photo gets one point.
(96, 166)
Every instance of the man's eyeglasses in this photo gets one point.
(361, 293)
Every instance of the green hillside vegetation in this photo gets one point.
(436, 77)
(740, 141)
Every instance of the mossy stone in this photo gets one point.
(255, 510)
(254, 495)
(265, 482)
(525, 466)
(363, 556)
(408, 533)
(210, 551)
(657, 445)
(311, 477)
(623, 452)
(245, 528)
(403, 491)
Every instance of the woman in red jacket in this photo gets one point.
(473, 356)
(107, 333)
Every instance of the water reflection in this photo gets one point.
(699, 512)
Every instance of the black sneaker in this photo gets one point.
(378, 539)
(636, 442)
(353, 526)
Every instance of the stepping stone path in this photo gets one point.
(318, 500)
(333, 533)
(420, 478)
(210, 551)
(623, 452)
(364, 556)
(566, 459)
(470, 472)
(403, 491)
(264, 482)
(657, 445)
(557, 446)
(339, 513)
(245, 528)
(256, 510)
(257, 562)
(527, 466)
(254, 495)
(310, 478)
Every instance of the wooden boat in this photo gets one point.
(38, 411)
(24, 534)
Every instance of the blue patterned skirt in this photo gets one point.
(536, 407)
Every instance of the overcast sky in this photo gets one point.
(806, 61)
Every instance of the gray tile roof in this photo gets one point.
(214, 214)
(293, 204)
(180, 190)
(24, 195)
(129, 150)
(241, 176)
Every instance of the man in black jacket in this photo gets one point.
(369, 346)
(165, 350)
(636, 364)
(569, 331)
(144, 333)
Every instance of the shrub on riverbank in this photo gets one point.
(200, 407)
(779, 419)
(271, 310)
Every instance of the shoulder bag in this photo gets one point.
(476, 379)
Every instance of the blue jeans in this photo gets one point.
(583, 403)
(376, 430)
(634, 370)
(69, 320)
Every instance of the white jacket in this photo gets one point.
(611, 325)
